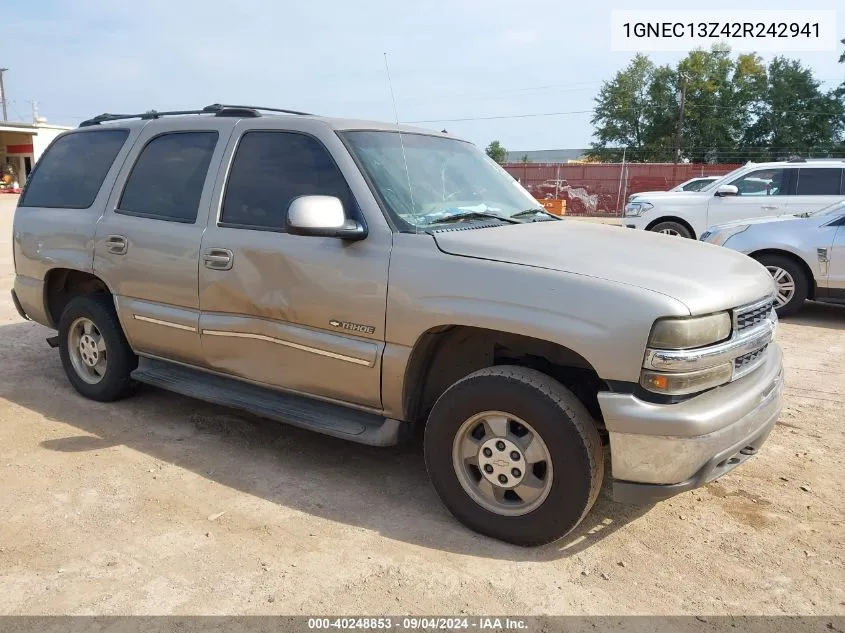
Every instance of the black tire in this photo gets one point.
(115, 383)
(680, 229)
(794, 270)
(557, 416)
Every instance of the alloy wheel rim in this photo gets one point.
(502, 463)
(785, 285)
(87, 350)
(669, 232)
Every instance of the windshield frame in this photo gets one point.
(731, 174)
(394, 218)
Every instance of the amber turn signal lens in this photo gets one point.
(686, 382)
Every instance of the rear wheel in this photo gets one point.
(792, 283)
(95, 354)
(514, 455)
(672, 228)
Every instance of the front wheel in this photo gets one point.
(514, 455)
(791, 282)
(672, 228)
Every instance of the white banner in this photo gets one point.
(744, 31)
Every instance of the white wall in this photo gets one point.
(42, 139)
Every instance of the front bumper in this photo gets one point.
(634, 222)
(660, 450)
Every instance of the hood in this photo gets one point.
(641, 194)
(702, 276)
(675, 198)
(634, 196)
(764, 220)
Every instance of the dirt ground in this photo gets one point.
(165, 505)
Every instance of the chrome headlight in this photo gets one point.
(719, 237)
(687, 333)
(636, 208)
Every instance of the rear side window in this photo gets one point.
(73, 169)
(819, 182)
(166, 181)
(270, 169)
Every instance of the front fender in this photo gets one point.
(605, 322)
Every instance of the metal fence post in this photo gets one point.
(620, 201)
(557, 182)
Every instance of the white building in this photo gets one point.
(21, 144)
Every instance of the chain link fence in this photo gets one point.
(601, 189)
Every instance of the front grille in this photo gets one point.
(747, 360)
(749, 317)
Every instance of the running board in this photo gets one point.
(307, 413)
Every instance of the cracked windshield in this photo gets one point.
(450, 181)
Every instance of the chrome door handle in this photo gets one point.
(769, 207)
(218, 258)
(117, 244)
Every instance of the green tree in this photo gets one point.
(496, 151)
(735, 109)
(722, 99)
(797, 117)
(525, 160)
(627, 115)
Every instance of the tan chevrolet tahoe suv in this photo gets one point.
(358, 279)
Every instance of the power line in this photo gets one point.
(506, 116)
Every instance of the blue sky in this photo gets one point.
(449, 59)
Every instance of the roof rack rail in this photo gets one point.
(149, 114)
(217, 109)
(796, 159)
(218, 106)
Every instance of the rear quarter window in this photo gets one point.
(820, 181)
(71, 172)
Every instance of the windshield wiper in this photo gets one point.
(530, 212)
(473, 215)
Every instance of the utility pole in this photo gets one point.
(3, 94)
(683, 99)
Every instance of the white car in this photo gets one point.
(752, 191)
(693, 184)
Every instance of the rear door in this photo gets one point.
(817, 187)
(762, 192)
(147, 242)
(294, 312)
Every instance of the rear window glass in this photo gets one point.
(819, 182)
(73, 169)
(167, 180)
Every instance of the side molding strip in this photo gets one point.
(278, 341)
(177, 326)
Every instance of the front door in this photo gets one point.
(762, 193)
(148, 240)
(836, 264)
(300, 313)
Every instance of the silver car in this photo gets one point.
(804, 252)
